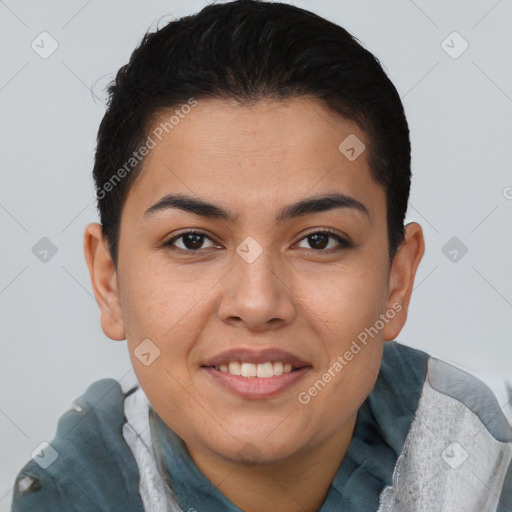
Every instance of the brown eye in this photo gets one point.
(319, 240)
(191, 241)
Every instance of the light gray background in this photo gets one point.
(460, 116)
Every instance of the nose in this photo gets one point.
(257, 293)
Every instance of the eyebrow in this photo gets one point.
(303, 207)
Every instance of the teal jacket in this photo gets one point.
(429, 437)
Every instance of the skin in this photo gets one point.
(297, 296)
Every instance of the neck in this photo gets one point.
(297, 484)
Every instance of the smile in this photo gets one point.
(255, 374)
(262, 370)
(256, 380)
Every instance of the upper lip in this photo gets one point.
(256, 357)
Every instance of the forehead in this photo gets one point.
(248, 156)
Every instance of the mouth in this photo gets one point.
(261, 370)
(256, 374)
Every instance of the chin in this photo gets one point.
(253, 451)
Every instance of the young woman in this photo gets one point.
(252, 174)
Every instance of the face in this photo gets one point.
(237, 292)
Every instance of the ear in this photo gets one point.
(104, 281)
(401, 279)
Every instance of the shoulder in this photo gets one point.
(404, 362)
(472, 394)
(417, 372)
(399, 385)
(87, 464)
(459, 445)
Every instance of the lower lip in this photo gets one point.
(256, 387)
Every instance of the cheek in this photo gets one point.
(158, 300)
(353, 304)
(350, 368)
(170, 308)
(345, 303)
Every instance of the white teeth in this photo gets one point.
(265, 370)
(278, 368)
(234, 368)
(261, 370)
(248, 370)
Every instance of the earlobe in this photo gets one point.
(104, 282)
(401, 278)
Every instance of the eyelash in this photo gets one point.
(344, 244)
